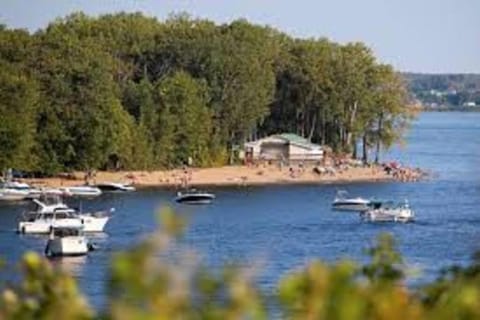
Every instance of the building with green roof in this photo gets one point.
(283, 147)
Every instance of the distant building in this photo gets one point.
(283, 147)
(437, 93)
(469, 104)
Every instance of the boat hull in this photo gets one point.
(67, 246)
(13, 195)
(114, 187)
(87, 192)
(392, 215)
(195, 199)
(89, 223)
(350, 206)
(94, 224)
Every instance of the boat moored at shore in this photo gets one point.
(11, 194)
(82, 191)
(115, 187)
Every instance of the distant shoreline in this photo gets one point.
(447, 109)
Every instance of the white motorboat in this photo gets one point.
(115, 187)
(388, 212)
(55, 192)
(35, 193)
(10, 194)
(32, 192)
(82, 191)
(193, 196)
(67, 241)
(343, 203)
(54, 213)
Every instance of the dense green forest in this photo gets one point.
(126, 91)
(447, 90)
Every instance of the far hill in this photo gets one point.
(445, 90)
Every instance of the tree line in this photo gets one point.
(126, 91)
(444, 90)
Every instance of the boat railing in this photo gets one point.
(100, 213)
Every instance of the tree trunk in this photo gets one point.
(324, 130)
(355, 149)
(351, 120)
(379, 138)
(365, 149)
(312, 128)
(377, 153)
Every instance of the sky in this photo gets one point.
(429, 36)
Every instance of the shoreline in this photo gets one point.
(231, 176)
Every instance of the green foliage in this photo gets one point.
(386, 263)
(184, 103)
(128, 91)
(18, 103)
(43, 293)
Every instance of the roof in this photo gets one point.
(298, 140)
(289, 138)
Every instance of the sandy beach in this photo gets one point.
(225, 176)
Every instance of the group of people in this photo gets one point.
(403, 174)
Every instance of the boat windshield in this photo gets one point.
(50, 199)
(379, 204)
(33, 207)
(67, 232)
(341, 194)
(19, 187)
(56, 215)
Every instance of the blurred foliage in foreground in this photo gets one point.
(154, 281)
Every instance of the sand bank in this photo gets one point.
(227, 176)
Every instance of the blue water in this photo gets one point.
(279, 228)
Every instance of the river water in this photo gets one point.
(280, 228)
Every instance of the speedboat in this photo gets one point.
(115, 187)
(55, 192)
(11, 194)
(194, 196)
(52, 212)
(21, 186)
(82, 191)
(389, 212)
(343, 203)
(35, 193)
(67, 241)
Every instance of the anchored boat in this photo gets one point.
(67, 241)
(114, 187)
(9, 194)
(194, 196)
(343, 202)
(52, 212)
(389, 212)
(82, 191)
(25, 187)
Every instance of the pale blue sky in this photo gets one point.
(413, 35)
